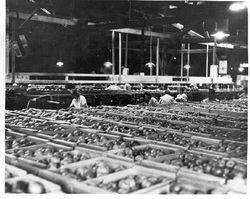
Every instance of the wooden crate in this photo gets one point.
(52, 133)
(9, 158)
(137, 171)
(26, 131)
(159, 166)
(33, 139)
(229, 113)
(15, 134)
(98, 146)
(73, 186)
(210, 152)
(115, 153)
(35, 147)
(206, 140)
(49, 186)
(120, 134)
(15, 171)
(77, 150)
(188, 186)
(160, 143)
(184, 174)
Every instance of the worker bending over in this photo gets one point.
(78, 101)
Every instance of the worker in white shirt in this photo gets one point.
(78, 101)
(166, 99)
(181, 97)
(150, 100)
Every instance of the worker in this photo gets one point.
(150, 100)
(181, 97)
(244, 94)
(127, 87)
(167, 98)
(211, 94)
(78, 101)
(193, 87)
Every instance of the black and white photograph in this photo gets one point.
(125, 97)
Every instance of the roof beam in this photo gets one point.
(47, 19)
(146, 33)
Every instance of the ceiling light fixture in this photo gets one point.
(150, 64)
(59, 63)
(220, 35)
(107, 64)
(241, 69)
(187, 67)
(238, 6)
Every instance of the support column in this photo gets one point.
(182, 59)
(207, 60)
(142, 49)
(157, 58)
(13, 56)
(150, 55)
(120, 56)
(7, 44)
(214, 51)
(188, 60)
(215, 45)
(113, 52)
(126, 51)
(188, 54)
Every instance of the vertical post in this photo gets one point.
(7, 54)
(13, 56)
(182, 59)
(188, 60)
(7, 43)
(214, 51)
(150, 49)
(157, 58)
(142, 49)
(215, 43)
(126, 51)
(188, 54)
(151, 70)
(120, 56)
(113, 53)
(207, 60)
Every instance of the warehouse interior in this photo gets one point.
(126, 97)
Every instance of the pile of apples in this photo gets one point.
(131, 183)
(215, 166)
(61, 158)
(97, 169)
(178, 139)
(37, 152)
(145, 153)
(17, 143)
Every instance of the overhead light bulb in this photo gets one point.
(241, 69)
(220, 35)
(107, 64)
(59, 63)
(150, 64)
(187, 67)
(237, 6)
